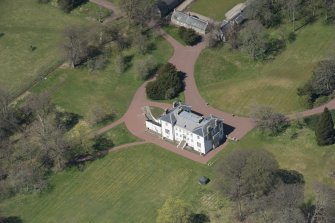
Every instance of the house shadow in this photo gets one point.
(228, 128)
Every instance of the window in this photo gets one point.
(199, 144)
(167, 131)
(198, 137)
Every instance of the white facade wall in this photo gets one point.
(167, 130)
(193, 140)
(155, 128)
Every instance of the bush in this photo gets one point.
(292, 37)
(189, 36)
(43, 1)
(167, 85)
(306, 101)
(321, 100)
(102, 143)
(120, 64)
(68, 5)
(97, 63)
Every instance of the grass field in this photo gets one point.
(120, 135)
(80, 91)
(232, 82)
(26, 23)
(295, 149)
(125, 186)
(215, 9)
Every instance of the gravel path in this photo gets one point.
(184, 58)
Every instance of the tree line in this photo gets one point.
(38, 139)
(252, 36)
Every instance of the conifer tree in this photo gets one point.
(324, 131)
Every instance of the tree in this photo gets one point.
(75, 45)
(174, 210)
(189, 36)
(268, 12)
(146, 68)
(139, 11)
(267, 119)
(8, 122)
(323, 80)
(293, 7)
(167, 85)
(324, 204)
(247, 174)
(324, 131)
(253, 39)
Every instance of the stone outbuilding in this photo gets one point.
(189, 21)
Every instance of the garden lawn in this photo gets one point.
(26, 23)
(295, 149)
(120, 135)
(215, 9)
(233, 83)
(125, 186)
(173, 31)
(81, 91)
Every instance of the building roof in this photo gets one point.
(183, 117)
(236, 11)
(166, 6)
(189, 20)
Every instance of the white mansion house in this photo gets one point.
(187, 128)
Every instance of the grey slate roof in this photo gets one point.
(183, 117)
(190, 20)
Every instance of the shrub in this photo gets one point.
(292, 37)
(189, 36)
(102, 143)
(97, 63)
(68, 5)
(43, 1)
(324, 131)
(120, 64)
(320, 101)
(167, 85)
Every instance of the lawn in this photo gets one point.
(81, 91)
(125, 186)
(295, 149)
(120, 135)
(215, 9)
(26, 23)
(173, 31)
(232, 82)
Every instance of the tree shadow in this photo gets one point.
(128, 61)
(11, 219)
(290, 176)
(200, 218)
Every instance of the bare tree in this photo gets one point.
(323, 81)
(75, 45)
(267, 119)
(139, 11)
(253, 39)
(324, 204)
(247, 174)
(293, 7)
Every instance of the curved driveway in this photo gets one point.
(184, 58)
